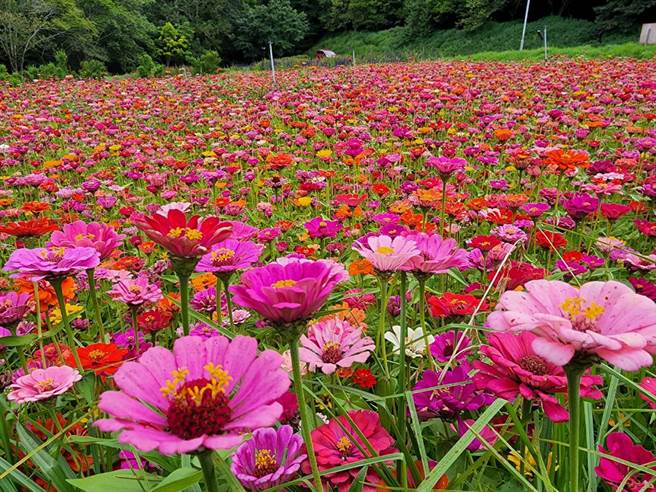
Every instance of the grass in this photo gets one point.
(494, 40)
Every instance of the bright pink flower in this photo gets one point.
(515, 369)
(388, 254)
(318, 227)
(229, 256)
(621, 446)
(101, 237)
(135, 291)
(184, 237)
(334, 343)
(649, 384)
(606, 319)
(446, 166)
(288, 290)
(437, 255)
(337, 443)
(203, 394)
(39, 263)
(13, 307)
(41, 384)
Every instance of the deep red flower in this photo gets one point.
(451, 304)
(364, 378)
(550, 240)
(484, 243)
(516, 274)
(29, 228)
(645, 227)
(337, 443)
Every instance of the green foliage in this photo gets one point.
(148, 68)
(207, 63)
(173, 44)
(623, 15)
(277, 22)
(92, 69)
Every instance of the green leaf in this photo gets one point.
(17, 341)
(179, 480)
(358, 483)
(114, 481)
(459, 447)
(19, 477)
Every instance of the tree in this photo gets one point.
(124, 33)
(277, 22)
(30, 25)
(622, 15)
(173, 45)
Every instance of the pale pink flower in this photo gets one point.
(41, 384)
(388, 254)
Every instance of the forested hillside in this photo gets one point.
(122, 35)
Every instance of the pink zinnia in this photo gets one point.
(135, 291)
(337, 443)
(39, 263)
(13, 307)
(41, 384)
(612, 472)
(229, 256)
(205, 394)
(446, 166)
(184, 237)
(515, 369)
(288, 290)
(437, 255)
(606, 319)
(334, 343)
(101, 237)
(649, 384)
(387, 254)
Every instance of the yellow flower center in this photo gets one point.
(80, 237)
(583, 316)
(384, 250)
(281, 284)
(222, 255)
(189, 233)
(322, 224)
(46, 384)
(96, 354)
(344, 445)
(217, 383)
(265, 463)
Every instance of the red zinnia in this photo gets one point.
(364, 378)
(484, 243)
(29, 228)
(451, 304)
(103, 358)
(550, 240)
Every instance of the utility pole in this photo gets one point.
(273, 66)
(521, 44)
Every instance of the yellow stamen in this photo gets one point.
(384, 250)
(283, 283)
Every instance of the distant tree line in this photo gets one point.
(145, 35)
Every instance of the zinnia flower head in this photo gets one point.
(41, 384)
(337, 443)
(449, 345)
(102, 237)
(184, 237)
(387, 254)
(604, 319)
(205, 394)
(613, 473)
(135, 291)
(334, 343)
(415, 343)
(319, 227)
(269, 458)
(446, 166)
(515, 369)
(229, 256)
(436, 255)
(46, 263)
(13, 306)
(289, 289)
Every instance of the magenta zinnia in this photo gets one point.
(229, 256)
(101, 237)
(604, 319)
(205, 394)
(184, 237)
(515, 369)
(48, 263)
(437, 255)
(288, 290)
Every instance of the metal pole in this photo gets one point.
(353, 57)
(545, 43)
(521, 45)
(273, 67)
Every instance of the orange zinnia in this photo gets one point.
(361, 267)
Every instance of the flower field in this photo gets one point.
(428, 276)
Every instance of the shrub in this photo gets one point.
(148, 68)
(92, 69)
(208, 62)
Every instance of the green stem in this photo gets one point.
(57, 286)
(184, 302)
(402, 368)
(93, 297)
(443, 223)
(39, 329)
(380, 336)
(226, 285)
(526, 413)
(574, 374)
(422, 318)
(219, 316)
(305, 417)
(209, 473)
(135, 328)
